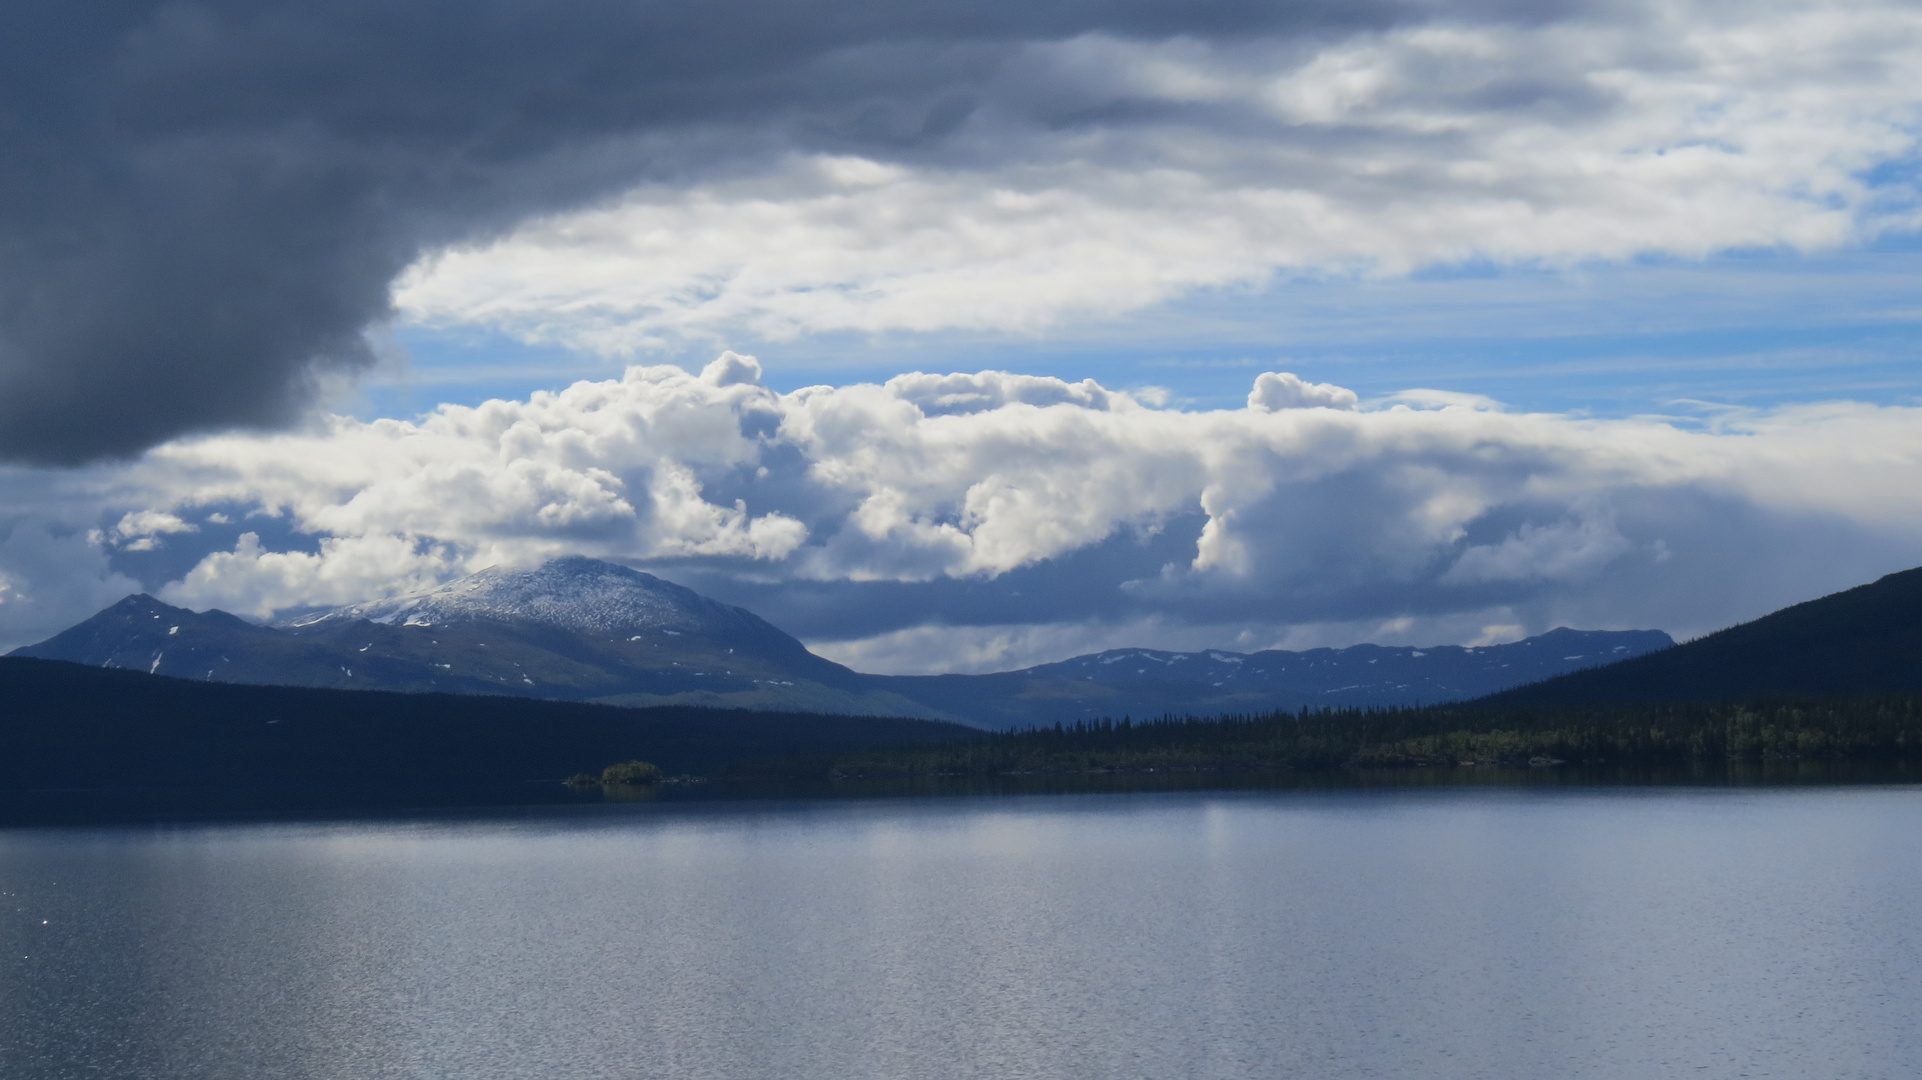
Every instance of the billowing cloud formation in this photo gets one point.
(982, 510)
(1100, 173)
(1276, 390)
(204, 202)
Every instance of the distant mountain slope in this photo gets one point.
(1147, 682)
(582, 596)
(583, 630)
(574, 629)
(77, 729)
(1866, 640)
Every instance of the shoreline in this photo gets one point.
(132, 806)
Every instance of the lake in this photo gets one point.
(1526, 934)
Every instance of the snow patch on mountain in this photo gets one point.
(572, 593)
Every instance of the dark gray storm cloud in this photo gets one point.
(202, 205)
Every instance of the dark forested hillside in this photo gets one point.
(1866, 640)
(69, 727)
(1881, 729)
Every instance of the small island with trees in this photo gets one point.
(622, 774)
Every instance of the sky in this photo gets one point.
(966, 336)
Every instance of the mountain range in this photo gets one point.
(574, 630)
(579, 629)
(100, 742)
(1151, 683)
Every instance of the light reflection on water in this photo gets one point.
(1471, 933)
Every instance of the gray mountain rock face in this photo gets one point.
(584, 630)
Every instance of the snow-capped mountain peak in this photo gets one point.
(571, 593)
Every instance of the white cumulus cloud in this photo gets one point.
(973, 505)
(1277, 390)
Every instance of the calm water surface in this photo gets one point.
(1527, 935)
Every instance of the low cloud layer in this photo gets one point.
(206, 204)
(1019, 516)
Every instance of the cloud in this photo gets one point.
(1560, 551)
(50, 580)
(253, 582)
(202, 216)
(204, 203)
(1278, 390)
(141, 530)
(1099, 174)
(973, 649)
(883, 519)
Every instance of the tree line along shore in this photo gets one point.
(1863, 729)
